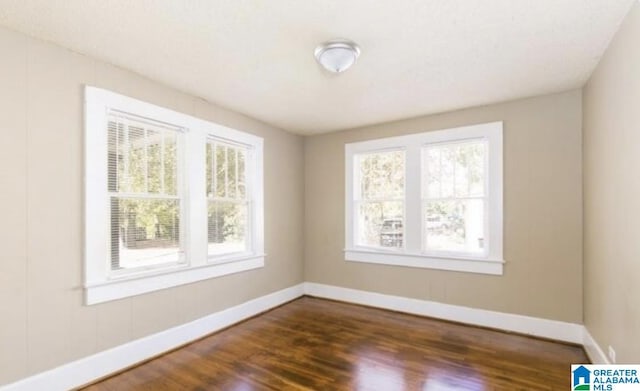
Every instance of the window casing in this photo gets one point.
(447, 190)
(148, 197)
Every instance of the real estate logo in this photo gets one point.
(581, 378)
(605, 377)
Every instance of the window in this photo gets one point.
(431, 200)
(228, 205)
(145, 202)
(454, 200)
(169, 199)
(380, 199)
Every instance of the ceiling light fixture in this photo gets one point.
(337, 55)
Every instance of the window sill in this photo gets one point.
(470, 265)
(220, 259)
(137, 284)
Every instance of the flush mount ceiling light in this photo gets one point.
(337, 55)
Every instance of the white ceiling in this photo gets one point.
(256, 56)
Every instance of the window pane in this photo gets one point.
(454, 170)
(228, 162)
(227, 224)
(231, 172)
(155, 161)
(447, 166)
(381, 175)
(432, 173)
(142, 157)
(476, 154)
(242, 182)
(134, 147)
(221, 170)
(381, 224)
(456, 226)
(461, 177)
(144, 232)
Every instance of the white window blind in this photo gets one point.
(143, 186)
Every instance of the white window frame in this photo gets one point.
(413, 254)
(100, 283)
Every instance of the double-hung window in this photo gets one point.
(146, 202)
(431, 200)
(379, 199)
(453, 197)
(228, 201)
(169, 199)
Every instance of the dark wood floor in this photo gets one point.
(315, 344)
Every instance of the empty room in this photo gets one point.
(361, 195)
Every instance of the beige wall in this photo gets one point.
(542, 209)
(42, 320)
(612, 195)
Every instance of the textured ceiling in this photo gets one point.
(256, 57)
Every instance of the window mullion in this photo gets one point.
(195, 200)
(412, 204)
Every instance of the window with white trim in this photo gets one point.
(431, 200)
(379, 199)
(169, 199)
(228, 204)
(453, 197)
(145, 201)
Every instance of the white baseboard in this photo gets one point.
(85, 370)
(88, 369)
(595, 353)
(546, 328)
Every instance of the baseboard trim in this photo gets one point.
(544, 328)
(88, 369)
(594, 351)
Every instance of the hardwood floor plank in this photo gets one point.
(316, 344)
